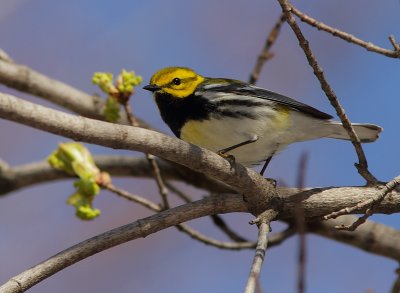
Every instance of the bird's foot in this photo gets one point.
(272, 181)
(230, 158)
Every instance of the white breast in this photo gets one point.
(217, 134)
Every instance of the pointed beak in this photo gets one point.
(152, 87)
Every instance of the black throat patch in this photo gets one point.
(176, 111)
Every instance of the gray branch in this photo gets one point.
(315, 202)
(14, 178)
(138, 229)
(243, 180)
(205, 207)
(27, 80)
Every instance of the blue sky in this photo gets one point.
(69, 40)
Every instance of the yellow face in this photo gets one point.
(180, 82)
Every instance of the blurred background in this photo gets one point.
(70, 40)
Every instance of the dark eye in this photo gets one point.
(176, 81)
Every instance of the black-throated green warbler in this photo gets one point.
(233, 117)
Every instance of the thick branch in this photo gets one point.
(316, 202)
(14, 178)
(370, 236)
(26, 80)
(141, 228)
(244, 180)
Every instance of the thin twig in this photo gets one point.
(263, 222)
(132, 197)
(182, 195)
(4, 56)
(244, 244)
(162, 189)
(371, 237)
(217, 220)
(396, 284)
(346, 36)
(370, 203)
(262, 243)
(4, 167)
(301, 226)
(362, 165)
(223, 226)
(265, 54)
(129, 114)
(395, 44)
(186, 229)
(213, 242)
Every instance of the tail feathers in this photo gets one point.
(365, 132)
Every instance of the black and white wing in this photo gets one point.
(243, 89)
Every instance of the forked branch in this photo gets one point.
(346, 36)
(362, 165)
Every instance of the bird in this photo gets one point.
(238, 120)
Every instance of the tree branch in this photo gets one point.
(27, 80)
(182, 227)
(396, 284)
(244, 180)
(370, 204)
(316, 202)
(264, 220)
(265, 54)
(217, 219)
(370, 237)
(346, 36)
(14, 178)
(362, 165)
(4, 56)
(141, 228)
(259, 256)
(162, 189)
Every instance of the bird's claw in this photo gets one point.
(230, 158)
(272, 181)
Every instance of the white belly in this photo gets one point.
(274, 133)
(218, 134)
